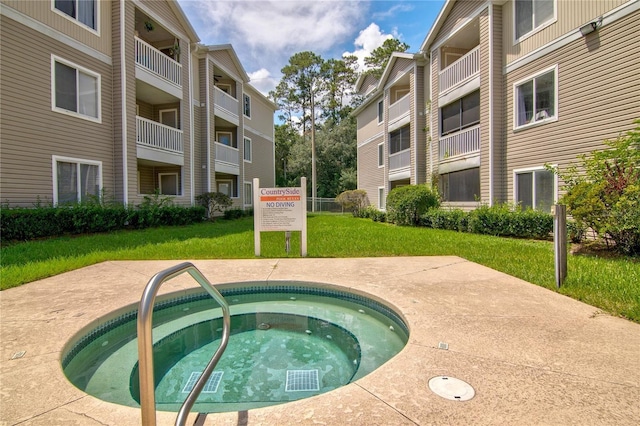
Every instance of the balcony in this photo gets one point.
(227, 159)
(461, 70)
(158, 142)
(226, 106)
(461, 143)
(157, 69)
(399, 108)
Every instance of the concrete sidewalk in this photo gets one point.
(532, 356)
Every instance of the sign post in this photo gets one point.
(280, 209)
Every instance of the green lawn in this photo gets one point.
(610, 284)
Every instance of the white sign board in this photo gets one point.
(280, 209)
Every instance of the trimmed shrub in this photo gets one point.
(353, 200)
(373, 213)
(453, 220)
(406, 204)
(237, 213)
(502, 220)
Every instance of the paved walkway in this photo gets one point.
(533, 356)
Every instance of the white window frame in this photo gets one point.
(248, 201)
(84, 70)
(226, 88)
(532, 170)
(382, 205)
(227, 181)
(380, 116)
(534, 30)
(381, 155)
(78, 161)
(178, 189)
(244, 112)
(399, 94)
(175, 115)
(230, 138)
(536, 122)
(244, 150)
(95, 30)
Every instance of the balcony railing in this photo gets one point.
(460, 70)
(398, 108)
(227, 154)
(157, 62)
(155, 135)
(225, 101)
(464, 142)
(400, 159)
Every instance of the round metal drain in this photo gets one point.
(451, 388)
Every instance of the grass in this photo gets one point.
(608, 283)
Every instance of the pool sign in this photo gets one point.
(280, 209)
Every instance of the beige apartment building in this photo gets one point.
(515, 85)
(112, 98)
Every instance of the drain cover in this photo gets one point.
(451, 388)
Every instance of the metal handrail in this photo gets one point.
(145, 342)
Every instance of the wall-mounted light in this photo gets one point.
(590, 27)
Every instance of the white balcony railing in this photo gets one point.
(155, 135)
(398, 108)
(400, 159)
(157, 62)
(227, 154)
(225, 101)
(460, 143)
(460, 70)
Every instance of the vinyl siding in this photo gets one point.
(588, 113)
(498, 116)
(418, 153)
(223, 58)
(164, 15)
(42, 11)
(370, 176)
(261, 113)
(199, 142)
(262, 164)
(484, 106)
(368, 122)
(369, 83)
(31, 132)
(570, 16)
(399, 67)
(460, 12)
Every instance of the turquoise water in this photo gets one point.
(284, 346)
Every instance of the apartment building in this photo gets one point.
(517, 85)
(391, 127)
(103, 98)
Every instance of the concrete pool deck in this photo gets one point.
(532, 356)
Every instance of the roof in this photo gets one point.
(234, 58)
(191, 32)
(435, 28)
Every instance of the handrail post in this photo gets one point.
(145, 342)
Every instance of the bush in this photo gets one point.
(406, 204)
(453, 220)
(353, 201)
(22, 224)
(373, 213)
(503, 220)
(603, 193)
(214, 202)
(237, 213)
(575, 232)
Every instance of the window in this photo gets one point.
(248, 194)
(380, 112)
(75, 90)
(463, 185)
(399, 140)
(83, 11)
(531, 15)
(75, 181)
(228, 186)
(226, 88)
(535, 189)
(225, 138)
(381, 155)
(381, 198)
(536, 99)
(169, 117)
(246, 105)
(464, 112)
(247, 150)
(168, 183)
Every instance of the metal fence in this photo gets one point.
(324, 205)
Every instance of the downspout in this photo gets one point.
(207, 105)
(191, 129)
(123, 78)
(491, 96)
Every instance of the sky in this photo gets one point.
(265, 33)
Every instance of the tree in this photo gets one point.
(339, 77)
(379, 57)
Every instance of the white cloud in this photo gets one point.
(369, 39)
(398, 8)
(263, 81)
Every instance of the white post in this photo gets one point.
(257, 214)
(303, 232)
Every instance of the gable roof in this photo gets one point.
(234, 58)
(435, 28)
(191, 32)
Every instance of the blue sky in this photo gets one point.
(266, 33)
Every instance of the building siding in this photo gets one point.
(485, 112)
(570, 16)
(458, 15)
(588, 113)
(370, 176)
(31, 131)
(368, 125)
